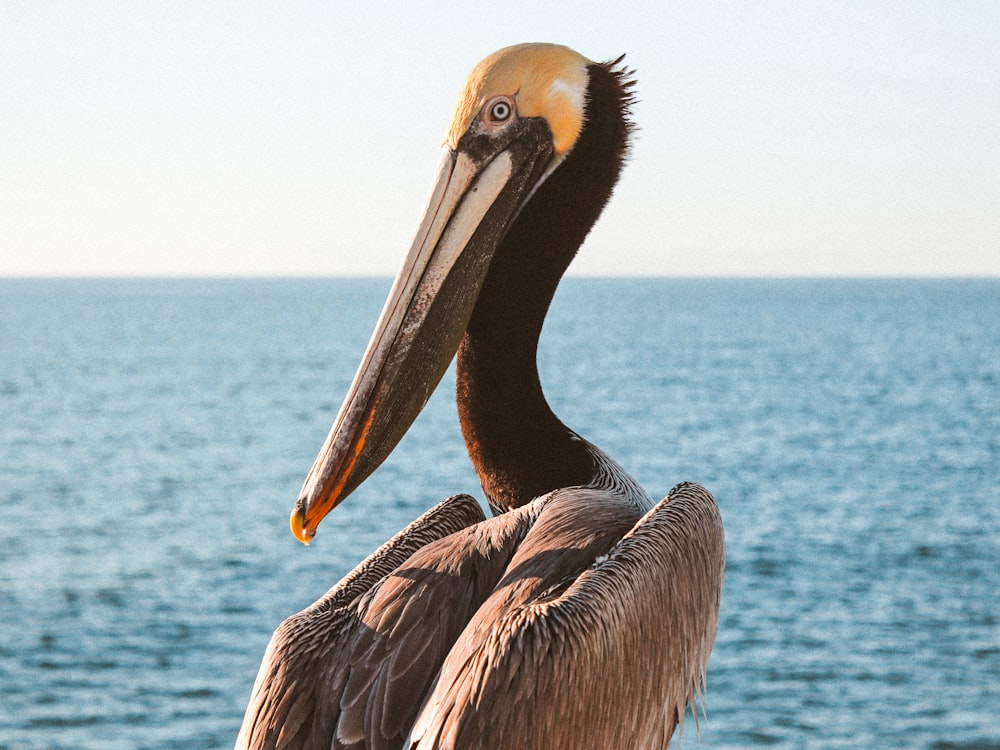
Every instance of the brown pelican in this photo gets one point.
(583, 613)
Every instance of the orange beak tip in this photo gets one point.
(297, 522)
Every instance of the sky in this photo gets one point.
(299, 138)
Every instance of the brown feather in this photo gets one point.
(292, 698)
(611, 661)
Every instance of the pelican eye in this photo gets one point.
(499, 111)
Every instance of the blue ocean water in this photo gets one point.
(154, 435)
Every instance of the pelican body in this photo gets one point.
(582, 614)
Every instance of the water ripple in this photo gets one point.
(155, 433)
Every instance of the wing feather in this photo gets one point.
(290, 705)
(610, 660)
(409, 624)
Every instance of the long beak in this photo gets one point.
(472, 203)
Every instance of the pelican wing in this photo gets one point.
(407, 625)
(608, 657)
(299, 677)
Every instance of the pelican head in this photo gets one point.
(518, 117)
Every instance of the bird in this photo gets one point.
(582, 613)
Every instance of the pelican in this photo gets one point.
(582, 614)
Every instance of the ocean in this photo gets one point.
(154, 435)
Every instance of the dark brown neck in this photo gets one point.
(519, 448)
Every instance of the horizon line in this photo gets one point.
(569, 275)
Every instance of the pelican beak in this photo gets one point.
(477, 192)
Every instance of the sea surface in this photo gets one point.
(154, 435)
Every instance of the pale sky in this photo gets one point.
(299, 138)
